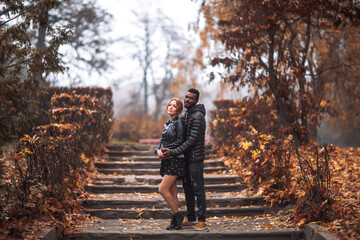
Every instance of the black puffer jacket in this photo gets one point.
(194, 145)
(173, 134)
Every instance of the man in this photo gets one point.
(194, 150)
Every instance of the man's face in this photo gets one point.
(190, 100)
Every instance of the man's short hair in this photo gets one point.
(195, 91)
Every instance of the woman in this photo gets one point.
(172, 169)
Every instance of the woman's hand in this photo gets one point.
(159, 154)
(163, 153)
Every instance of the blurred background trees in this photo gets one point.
(295, 53)
(67, 43)
(339, 67)
(303, 56)
(159, 50)
(156, 48)
(32, 35)
(87, 49)
(23, 64)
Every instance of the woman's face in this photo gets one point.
(171, 109)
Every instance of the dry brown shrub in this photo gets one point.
(136, 127)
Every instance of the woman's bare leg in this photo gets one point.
(174, 193)
(164, 189)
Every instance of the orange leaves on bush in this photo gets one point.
(255, 154)
(94, 128)
(316, 180)
(240, 132)
(134, 127)
(245, 145)
(215, 122)
(323, 103)
(16, 157)
(50, 163)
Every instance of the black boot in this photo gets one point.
(172, 223)
(179, 218)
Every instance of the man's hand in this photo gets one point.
(163, 153)
(166, 153)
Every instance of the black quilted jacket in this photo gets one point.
(194, 145)
(173, 134)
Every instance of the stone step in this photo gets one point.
(107, 165)
(128, 153)
(155, 180)
(140, 153)
(124, 203)
(150, 158)
(154, 188)
(145, 147)
(133, 153)
(164, 213)
(133, 159)
(141, 147)
(180, 235)
(140, 171)
(130, 207)
(217, 228)
(157, 196)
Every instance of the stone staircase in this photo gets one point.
(125, 200)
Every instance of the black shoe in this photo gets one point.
(179, 218)
(172, 223)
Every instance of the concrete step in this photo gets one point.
(154, 188)
(132, 153)
(155, 180)
(145, 147)
(247, 227)
(152, 165)
(180, 235)
(141, 171)
(142, 146)
(128, 153)
(164, 213)
(124, 203)
(130, 207)
(150, 158)
(157, 196)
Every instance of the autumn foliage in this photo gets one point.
(93, 112)
(137, 127)
(52, 162)
(23, 65)
(287, 50)
(297, 60)
(255, 149)
(319, 181)
(19, 110)
(48, 157)
(315, 181)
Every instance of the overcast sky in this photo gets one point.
(182, 12)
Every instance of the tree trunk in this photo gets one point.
(146, 107)
(41, 45)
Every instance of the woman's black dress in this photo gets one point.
(173, 136)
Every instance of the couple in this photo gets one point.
(182, 151)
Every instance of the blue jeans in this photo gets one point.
(193, 184)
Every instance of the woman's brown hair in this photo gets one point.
(179, 105)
